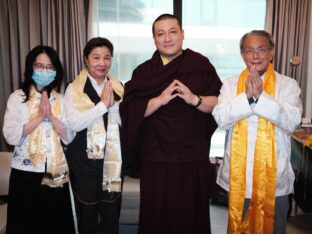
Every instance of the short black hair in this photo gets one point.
(164, 17)
(260, 33)
(31, 58)
(97, 42)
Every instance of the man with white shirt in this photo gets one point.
(259, 109)
(94, 156)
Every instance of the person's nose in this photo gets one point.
(167, 37)
(102, 62)
(255, 54)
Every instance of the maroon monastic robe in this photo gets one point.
(170, 148)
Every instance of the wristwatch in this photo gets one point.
(199, 101)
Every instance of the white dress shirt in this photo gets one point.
(284, 110)
(78, 120)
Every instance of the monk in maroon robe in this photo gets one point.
(167, 126)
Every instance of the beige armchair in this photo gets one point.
(5, 170)
(130, 201)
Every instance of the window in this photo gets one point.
(214, 28)
(128, 24)
(211, 27)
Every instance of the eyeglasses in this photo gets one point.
(41, 67)
(262, 51)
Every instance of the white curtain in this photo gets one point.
(93, 19)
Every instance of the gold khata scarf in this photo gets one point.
(260, 215)
(98, 139)
(56, 174)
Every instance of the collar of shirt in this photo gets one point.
(98, 87)
(164, 60)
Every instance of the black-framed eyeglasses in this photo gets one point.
(41, 67)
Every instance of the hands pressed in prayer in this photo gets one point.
(46, 110)
(107, 96)
(254, 84)
(44, 106)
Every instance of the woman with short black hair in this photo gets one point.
(94, 156)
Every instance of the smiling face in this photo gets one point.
(98, 63)
(257, 52)
(168, 38)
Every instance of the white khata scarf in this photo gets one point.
(57, 169)
(101, 144)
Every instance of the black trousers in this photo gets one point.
(34, 209)
(98, 211)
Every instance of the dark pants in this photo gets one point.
(97, 210)
(33, 208)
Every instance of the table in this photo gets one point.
(301, 161)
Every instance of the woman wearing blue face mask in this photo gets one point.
(35, 124)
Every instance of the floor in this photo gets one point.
(299, 224)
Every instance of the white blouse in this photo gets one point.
(16, 116)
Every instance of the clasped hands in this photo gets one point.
(45, 112)
(254, 84)
(177, 88)
(45, 107)
(107, 95)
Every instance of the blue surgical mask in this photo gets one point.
(43, 78)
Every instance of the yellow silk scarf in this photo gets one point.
(56, 174)
(260, 215)
(308, 141)
(98, 139)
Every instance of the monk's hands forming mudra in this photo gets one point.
(164, 98)
(107, 95)
(178, 89)
(254, 84)
(186, 94)
(169, 93)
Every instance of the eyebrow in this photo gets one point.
(172, 28)
(260, 46)
(100, 55)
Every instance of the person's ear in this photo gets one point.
(272, 54)
(85, 59)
